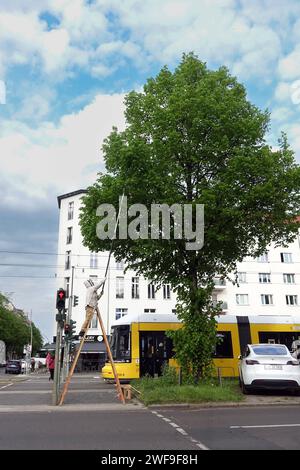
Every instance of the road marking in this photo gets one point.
(266, 426)
(9, 385)
(182, 431)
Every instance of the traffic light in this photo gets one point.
(72, 328)
(75, 300)
(67, 330)
(60, 300)
(72, 348)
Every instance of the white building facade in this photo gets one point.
(266, 286)
(123, 293)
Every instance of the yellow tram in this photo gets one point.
(140, 346)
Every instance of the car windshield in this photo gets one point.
(270, 350)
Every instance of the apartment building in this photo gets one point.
(123, 293)
(268, 285)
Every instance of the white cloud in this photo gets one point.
(283, 92)
(58, 159)
(247, 36)
(2, 92)
(281, 114)
(289, 66)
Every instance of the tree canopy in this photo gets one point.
(193, 137)
(15, 331)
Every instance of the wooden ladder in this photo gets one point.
(68, 379)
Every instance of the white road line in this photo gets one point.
(9, 385)
(182, 431)
(266, 426)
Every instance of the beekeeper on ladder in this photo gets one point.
(92, 298)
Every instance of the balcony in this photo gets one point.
(219, 283)
(224, 305)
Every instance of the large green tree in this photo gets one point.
(193, 137)
(15, 331)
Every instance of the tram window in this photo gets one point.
(224, 345)
(278, 337)
(120, 343)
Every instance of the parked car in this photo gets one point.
(268, 366)
(13, 367)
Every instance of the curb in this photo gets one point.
(219, 405)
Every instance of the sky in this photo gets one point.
(65, 67)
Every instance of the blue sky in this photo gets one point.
(65, 66)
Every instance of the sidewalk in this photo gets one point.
(87, 392)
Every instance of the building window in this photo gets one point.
(121, 312)
(94, 322)
(266, 299)
(241, 278)
(174, 311)
(120, 265)
(68, 260)
(135, 291)
(69, 235)
(289, 278)
(120, 287)
(264, 278)
(242, 299)
(149, 310)
(291, 299)
(167, 291)
(71, 210)
(264, 258)
(67, 286)
(151, 291)
(93, 261)
(286, 257)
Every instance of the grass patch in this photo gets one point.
(158, 391)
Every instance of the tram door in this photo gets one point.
(155, 350)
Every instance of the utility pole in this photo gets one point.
(30, 340)
(66, 360)
(56, 381)
(60, 319)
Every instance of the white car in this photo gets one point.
(268, 366)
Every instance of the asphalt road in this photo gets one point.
(92, 418)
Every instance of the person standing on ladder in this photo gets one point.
(92, 298)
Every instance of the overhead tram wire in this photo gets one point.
(46, 253)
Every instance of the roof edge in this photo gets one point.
(67, 195)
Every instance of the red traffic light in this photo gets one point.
(60, 299)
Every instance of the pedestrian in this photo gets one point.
(51, 365)
(296, 353)
(91, 303)
(32, 362)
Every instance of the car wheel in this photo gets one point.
(245, 390)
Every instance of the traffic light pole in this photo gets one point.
(66, 360)
(56, 378)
